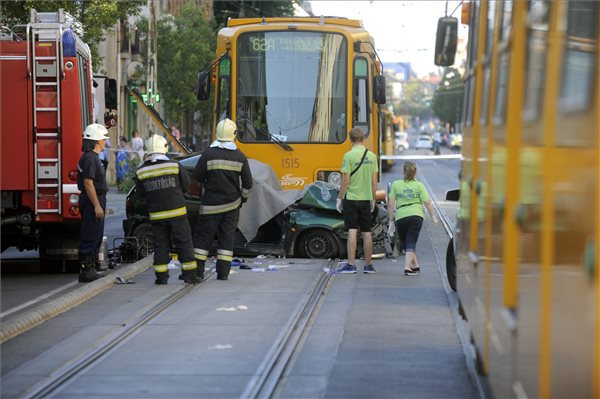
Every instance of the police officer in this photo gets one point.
(162, 182)
(224, 172)
(91, 181)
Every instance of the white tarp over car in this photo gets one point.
(266, 200)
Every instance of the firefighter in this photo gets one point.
(224, 172)
(91, 181)
(162, 182)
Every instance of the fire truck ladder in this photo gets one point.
(45, 30)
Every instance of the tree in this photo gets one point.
(414, 100)
(95, 16)
(448, 97)
(186, 46)
(251, 9)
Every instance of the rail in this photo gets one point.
(279, 360)
(62, 375)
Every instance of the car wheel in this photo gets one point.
(145, 239)
(317, 244)
(451, 265)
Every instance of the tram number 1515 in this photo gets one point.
(290, 163)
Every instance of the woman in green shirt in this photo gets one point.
(405, 206)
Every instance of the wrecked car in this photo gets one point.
(293, 223)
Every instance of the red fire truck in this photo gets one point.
(46, 102)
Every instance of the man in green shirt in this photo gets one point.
(357, 194)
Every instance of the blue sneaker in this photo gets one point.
(369, 269)
(348, 269)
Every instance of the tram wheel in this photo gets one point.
(451, 265)
(318, 244)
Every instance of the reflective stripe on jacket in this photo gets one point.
(163, 183)
(226, 178)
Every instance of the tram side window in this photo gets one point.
(580, 56)
(487, 73)
(535, 73)
(502, 75)
(84, 93)
(360, 97)
(224, 89)
(472, 62)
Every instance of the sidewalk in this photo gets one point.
(115, 201)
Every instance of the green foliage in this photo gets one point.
(129, 180)
(224, 9)
(448, 97)
(185, 47)
(414, 100)
(95, 16)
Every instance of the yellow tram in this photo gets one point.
(526, 251)
(295, 87)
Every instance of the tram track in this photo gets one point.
(61, 376)
(275, 367)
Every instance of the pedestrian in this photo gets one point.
(105, 155)
(122, 161)
(176, 133)
(224, 173)
(405, 210)
(137, 146)
(91, 181)
(163, 182)
(357, 195)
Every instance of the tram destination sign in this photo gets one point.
(286, 42)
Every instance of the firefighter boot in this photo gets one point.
(190, 277)
(161, 278)
(223, 269)
(87, 271)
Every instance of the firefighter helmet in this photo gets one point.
(226, 130)
(156, 145)
(96, 132)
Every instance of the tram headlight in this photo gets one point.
(335, 178)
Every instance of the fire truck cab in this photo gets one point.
(46, 102)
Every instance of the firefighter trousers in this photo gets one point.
(223, 225)
(92, 228)
(178, 233)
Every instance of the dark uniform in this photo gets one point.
(163, 183)
(219, 170)
(92, 228)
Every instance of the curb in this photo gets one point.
(25, 321)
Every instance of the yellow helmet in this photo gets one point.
(226, 130)
(156, 145)
(95, 131)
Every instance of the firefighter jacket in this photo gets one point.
(163, 183)
(219, 170)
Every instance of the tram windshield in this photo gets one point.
(291, 87)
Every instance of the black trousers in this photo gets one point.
(92, 228)
(408, 229)
(223, 225)
(176, 232)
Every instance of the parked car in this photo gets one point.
(297, 223)
(401, 141)
(424, 142)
